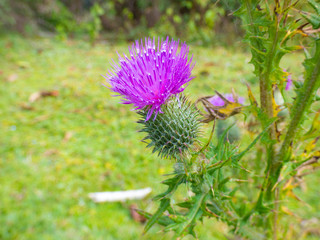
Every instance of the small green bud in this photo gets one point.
(175, 130)
(179, 167)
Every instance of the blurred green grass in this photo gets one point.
(56, 150)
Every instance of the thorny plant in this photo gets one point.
(250, 201)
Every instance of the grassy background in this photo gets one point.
(56, 150)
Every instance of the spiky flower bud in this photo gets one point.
(174, 131)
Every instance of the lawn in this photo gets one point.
(56, 149)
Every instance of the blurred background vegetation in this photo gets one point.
(63, 136)
(204, 21)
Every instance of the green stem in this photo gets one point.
(301, 105)
(266, 100)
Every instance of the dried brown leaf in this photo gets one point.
(37, 95)
(135, 215)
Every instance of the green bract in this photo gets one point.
(174, 131)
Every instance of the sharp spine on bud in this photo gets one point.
(174, 131)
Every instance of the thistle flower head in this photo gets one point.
(217, 101)
(152, 74)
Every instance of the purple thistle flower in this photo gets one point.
(152, 74)
(218, 101)
(289, 81)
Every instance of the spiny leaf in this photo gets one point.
(312, 18)
(252, 99)
(192, 214)
(221, 143)
(164, 220)
(250, 233)
(314, 130)
(163, 207)
(187, 204)
(173, 183)
(315, 5)
(311, 145)
(223, 182)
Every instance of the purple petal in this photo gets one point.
(289, 83)
(218, 101)
(151, 74)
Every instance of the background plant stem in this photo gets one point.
(301, 105)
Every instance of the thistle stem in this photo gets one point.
(266, 100)
(301, 105)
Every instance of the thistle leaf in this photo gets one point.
(315, 5)
(173, 184)
(162, 208)
(194, 214)
(312, 18)
(164, 220)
